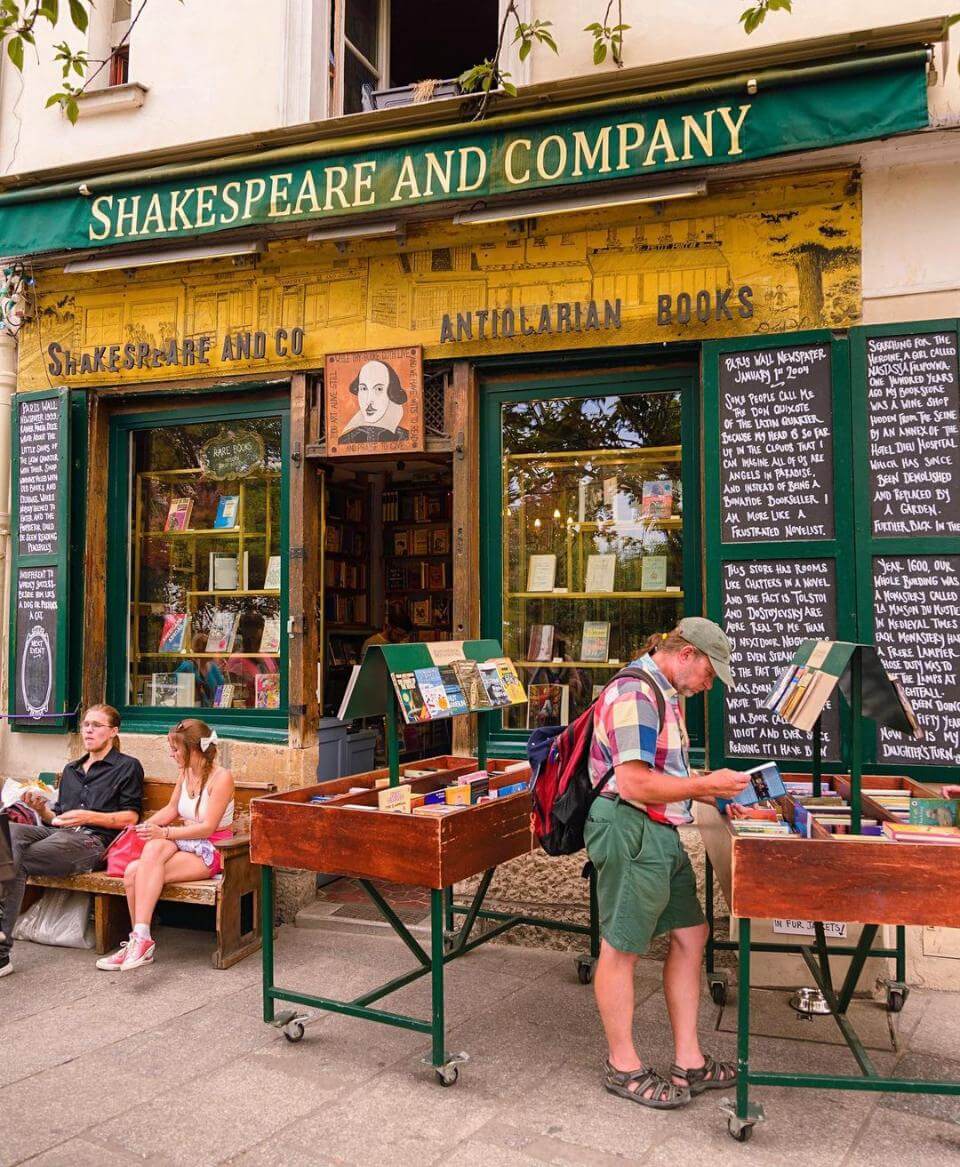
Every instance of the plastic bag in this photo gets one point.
(60, 917)
(13, 791)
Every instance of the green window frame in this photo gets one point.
(585, 384)
(249, 724)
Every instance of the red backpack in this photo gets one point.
(559, 761)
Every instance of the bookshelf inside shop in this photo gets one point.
(345, 597)
(593, 563)
(205, 590)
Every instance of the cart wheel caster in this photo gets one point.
(718, 989)
(585, 967)
(447, 1075)
(896, 999)
(742, 1133)
(449, 943)
(293, 1031)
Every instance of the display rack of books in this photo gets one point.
(593, 563)
(205, 590)
(429, 824)
(837, 850)
(344, 603)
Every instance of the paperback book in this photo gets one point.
(408, 694)
(656, 502)
(549, 704)
(174, 632)
(228, 510)
(765, 782)
(271, 580)
(511, 682)
(173, 689)
(267, 691)
(934, 812)
(653, 573)
(468, 674)
(270, 637)
(433, 692)
(595, 642)
(223, 697)
(493, 683)
(178, 516)
(541, 642)
(451, 686)
(541, 573)
(601, 570)
(222, 631)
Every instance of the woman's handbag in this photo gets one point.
(126, 847)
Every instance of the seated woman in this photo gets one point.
(202, 800)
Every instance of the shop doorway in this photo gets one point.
(386, 574)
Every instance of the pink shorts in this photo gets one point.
(206, 850)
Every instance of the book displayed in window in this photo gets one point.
(223, 631)
(271, 579)
(440, 541)
(595, 641)
(601, 572)
(223, 698)
(266, 688)
(548, 704)
(174, 633)
(540, 646)
(228, 511)
(173, 690)
(433, 692)
(542, 573)
(420, 613)
(589, 500)
(270, 637)
(656, 501)
(224, 572)
(653, 573)
(178, 516)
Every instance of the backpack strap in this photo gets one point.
(648, 683)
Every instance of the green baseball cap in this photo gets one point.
(712, 641)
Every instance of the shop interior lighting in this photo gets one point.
(647, 194)
(155, 258)
(357, 231)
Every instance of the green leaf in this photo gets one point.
(509, 88)
(78, 67)
(79, 15)
(952, 20)
(548, 40)
(72, 110)
(50, 9)
(15, 52)
(525, 50)
(54, 99)
(594, 28)
(599, 53)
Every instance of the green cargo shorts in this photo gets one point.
(645, 883)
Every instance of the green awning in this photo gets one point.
(719, 124)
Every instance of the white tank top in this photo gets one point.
(189, 811)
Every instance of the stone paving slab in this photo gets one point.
(172, 1065)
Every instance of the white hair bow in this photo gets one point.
(207, 742)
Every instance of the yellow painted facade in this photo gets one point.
(793, 242)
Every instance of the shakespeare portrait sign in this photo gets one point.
(374, 402)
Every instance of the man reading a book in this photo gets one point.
(645, 883)
(98, 796)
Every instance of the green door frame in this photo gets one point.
(836, 549)
(250, 724)
(584, 383)
(867, 546)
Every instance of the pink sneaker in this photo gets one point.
(139, 951)
(114, 962)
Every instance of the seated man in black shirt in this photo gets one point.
(98, 796)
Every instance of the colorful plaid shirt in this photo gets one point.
(626, 729)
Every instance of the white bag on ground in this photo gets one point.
(59, 917)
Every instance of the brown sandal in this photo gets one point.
(712, 1075)
(663, 1095)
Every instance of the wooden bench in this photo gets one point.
(235, 893)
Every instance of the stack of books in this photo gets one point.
(915, 833)
(461, 686)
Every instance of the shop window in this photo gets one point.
(390, 44)
(592, 558)
(201, 541)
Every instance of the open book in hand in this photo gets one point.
(765, 782)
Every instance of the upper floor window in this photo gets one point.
(382, 45)
(119, 47)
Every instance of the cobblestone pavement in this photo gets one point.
(172, 1064)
